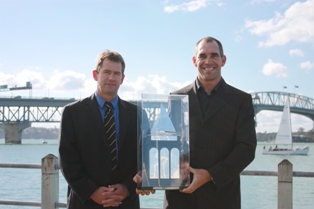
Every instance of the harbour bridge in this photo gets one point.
(275, 101)
(17, 113)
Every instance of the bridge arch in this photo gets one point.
(275, 101)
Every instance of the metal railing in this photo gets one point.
(50, 183)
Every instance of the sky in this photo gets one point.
(54, 44)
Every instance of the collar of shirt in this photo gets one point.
(102, 109)
(200, 88)
(101, 101)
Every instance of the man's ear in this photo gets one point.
(224, 60)
(95, 75)
(194, 61)
(122, 79)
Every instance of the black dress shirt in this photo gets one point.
(204, 98)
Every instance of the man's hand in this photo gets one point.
(110, 196)
(98, 197)
(114, 198)
(201, 177)
(138, 179)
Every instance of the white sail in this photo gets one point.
(284, 135)
(163, 129)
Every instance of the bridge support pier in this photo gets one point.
(13, 131)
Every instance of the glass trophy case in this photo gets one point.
(163, 141)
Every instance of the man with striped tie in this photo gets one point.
(97, 143)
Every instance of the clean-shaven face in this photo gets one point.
(109, 78)
(209, 61)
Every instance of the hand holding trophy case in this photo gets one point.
(163, 142)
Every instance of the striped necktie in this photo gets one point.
(111, 134)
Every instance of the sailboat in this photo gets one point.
(284, 137)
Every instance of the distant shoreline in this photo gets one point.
(41, 133)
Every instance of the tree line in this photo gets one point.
(37, 133)
(299, 136)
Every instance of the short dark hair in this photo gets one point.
(112, 56)
(210, 39)
(184, 158)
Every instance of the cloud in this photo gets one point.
(260, 1)
(269, 121)
(66, 80)
(57, 85)
(6, 79)
(68, 83)
(173, 8)
(89, 87)
(296, 24)
(278, 69)
(307, 65)
(153, 84)
(191, 6)
(296, 52)
(37, 79)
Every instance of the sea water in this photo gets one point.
(258, 192)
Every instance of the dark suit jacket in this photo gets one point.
(223, 142)
(85, 158)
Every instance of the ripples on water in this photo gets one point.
(257, 192)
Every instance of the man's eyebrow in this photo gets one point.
(215, 53)
(211, 54)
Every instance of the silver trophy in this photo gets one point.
(163, 141)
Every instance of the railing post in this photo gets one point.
(285, 175)
(49, 182)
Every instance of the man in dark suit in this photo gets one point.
(85, 154)
(222, 135)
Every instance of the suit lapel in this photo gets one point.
(94, 116)
(124, 119)
(219, 101)
(194, 103)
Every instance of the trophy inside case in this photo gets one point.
(163, 141)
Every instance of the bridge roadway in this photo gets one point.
(17, 113)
